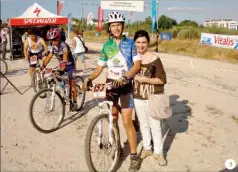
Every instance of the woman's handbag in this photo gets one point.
(159, 106)
(85, 47)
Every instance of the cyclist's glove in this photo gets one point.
(89, 84)
(42, 67)
(120, 82)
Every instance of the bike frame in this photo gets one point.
(65, 95)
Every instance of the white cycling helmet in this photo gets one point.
(114, 17)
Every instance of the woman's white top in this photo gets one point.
(79, 48)
(31, 44)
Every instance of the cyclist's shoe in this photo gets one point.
(135, 163)
(145, 153)
(161, 160)
(74, 106)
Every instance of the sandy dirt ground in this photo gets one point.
(203, 127)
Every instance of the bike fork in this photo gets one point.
(52, 102)
(110, 126)
(110, 129)
(100, 133)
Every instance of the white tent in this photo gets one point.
(36, 15)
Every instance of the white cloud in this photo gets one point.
(184, 9)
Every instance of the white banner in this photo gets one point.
(123, 5)
(217, 40)
(90, 18)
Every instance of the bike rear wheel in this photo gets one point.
(50, 109)
(3, 66)
(81, 93)
(104, 150)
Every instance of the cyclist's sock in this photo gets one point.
(133, 154)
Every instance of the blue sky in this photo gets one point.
(198, 10)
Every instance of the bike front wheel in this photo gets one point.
(100, 154)
(47, 114)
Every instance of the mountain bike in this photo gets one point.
(58, 94)
(103, 137)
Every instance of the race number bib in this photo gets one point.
(99, 91)
(33, 60)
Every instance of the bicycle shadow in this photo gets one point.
(17, 72)
(72, 118)
(5, 90)
(177, 123)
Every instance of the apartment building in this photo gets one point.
(225, 23)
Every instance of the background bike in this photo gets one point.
(51, 109)
(3, 66)
(102, 143)
(38, 82)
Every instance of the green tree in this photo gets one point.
(105, 26)
(148, 20)
(188, 23)
(165, 22)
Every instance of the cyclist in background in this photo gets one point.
(35, 48)
(66, 62)
(123, 61)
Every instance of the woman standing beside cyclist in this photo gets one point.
(123, 61)
(150, 80)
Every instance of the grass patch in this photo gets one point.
(195, 49)
(187, 43)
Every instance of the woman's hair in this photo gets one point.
(142, 33)
(4, 25)
(78, 32)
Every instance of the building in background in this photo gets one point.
(222, 23)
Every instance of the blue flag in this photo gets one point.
(69, 23)
(153, 15)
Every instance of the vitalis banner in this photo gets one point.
(217, 40)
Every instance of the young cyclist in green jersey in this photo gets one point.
(119, 54)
